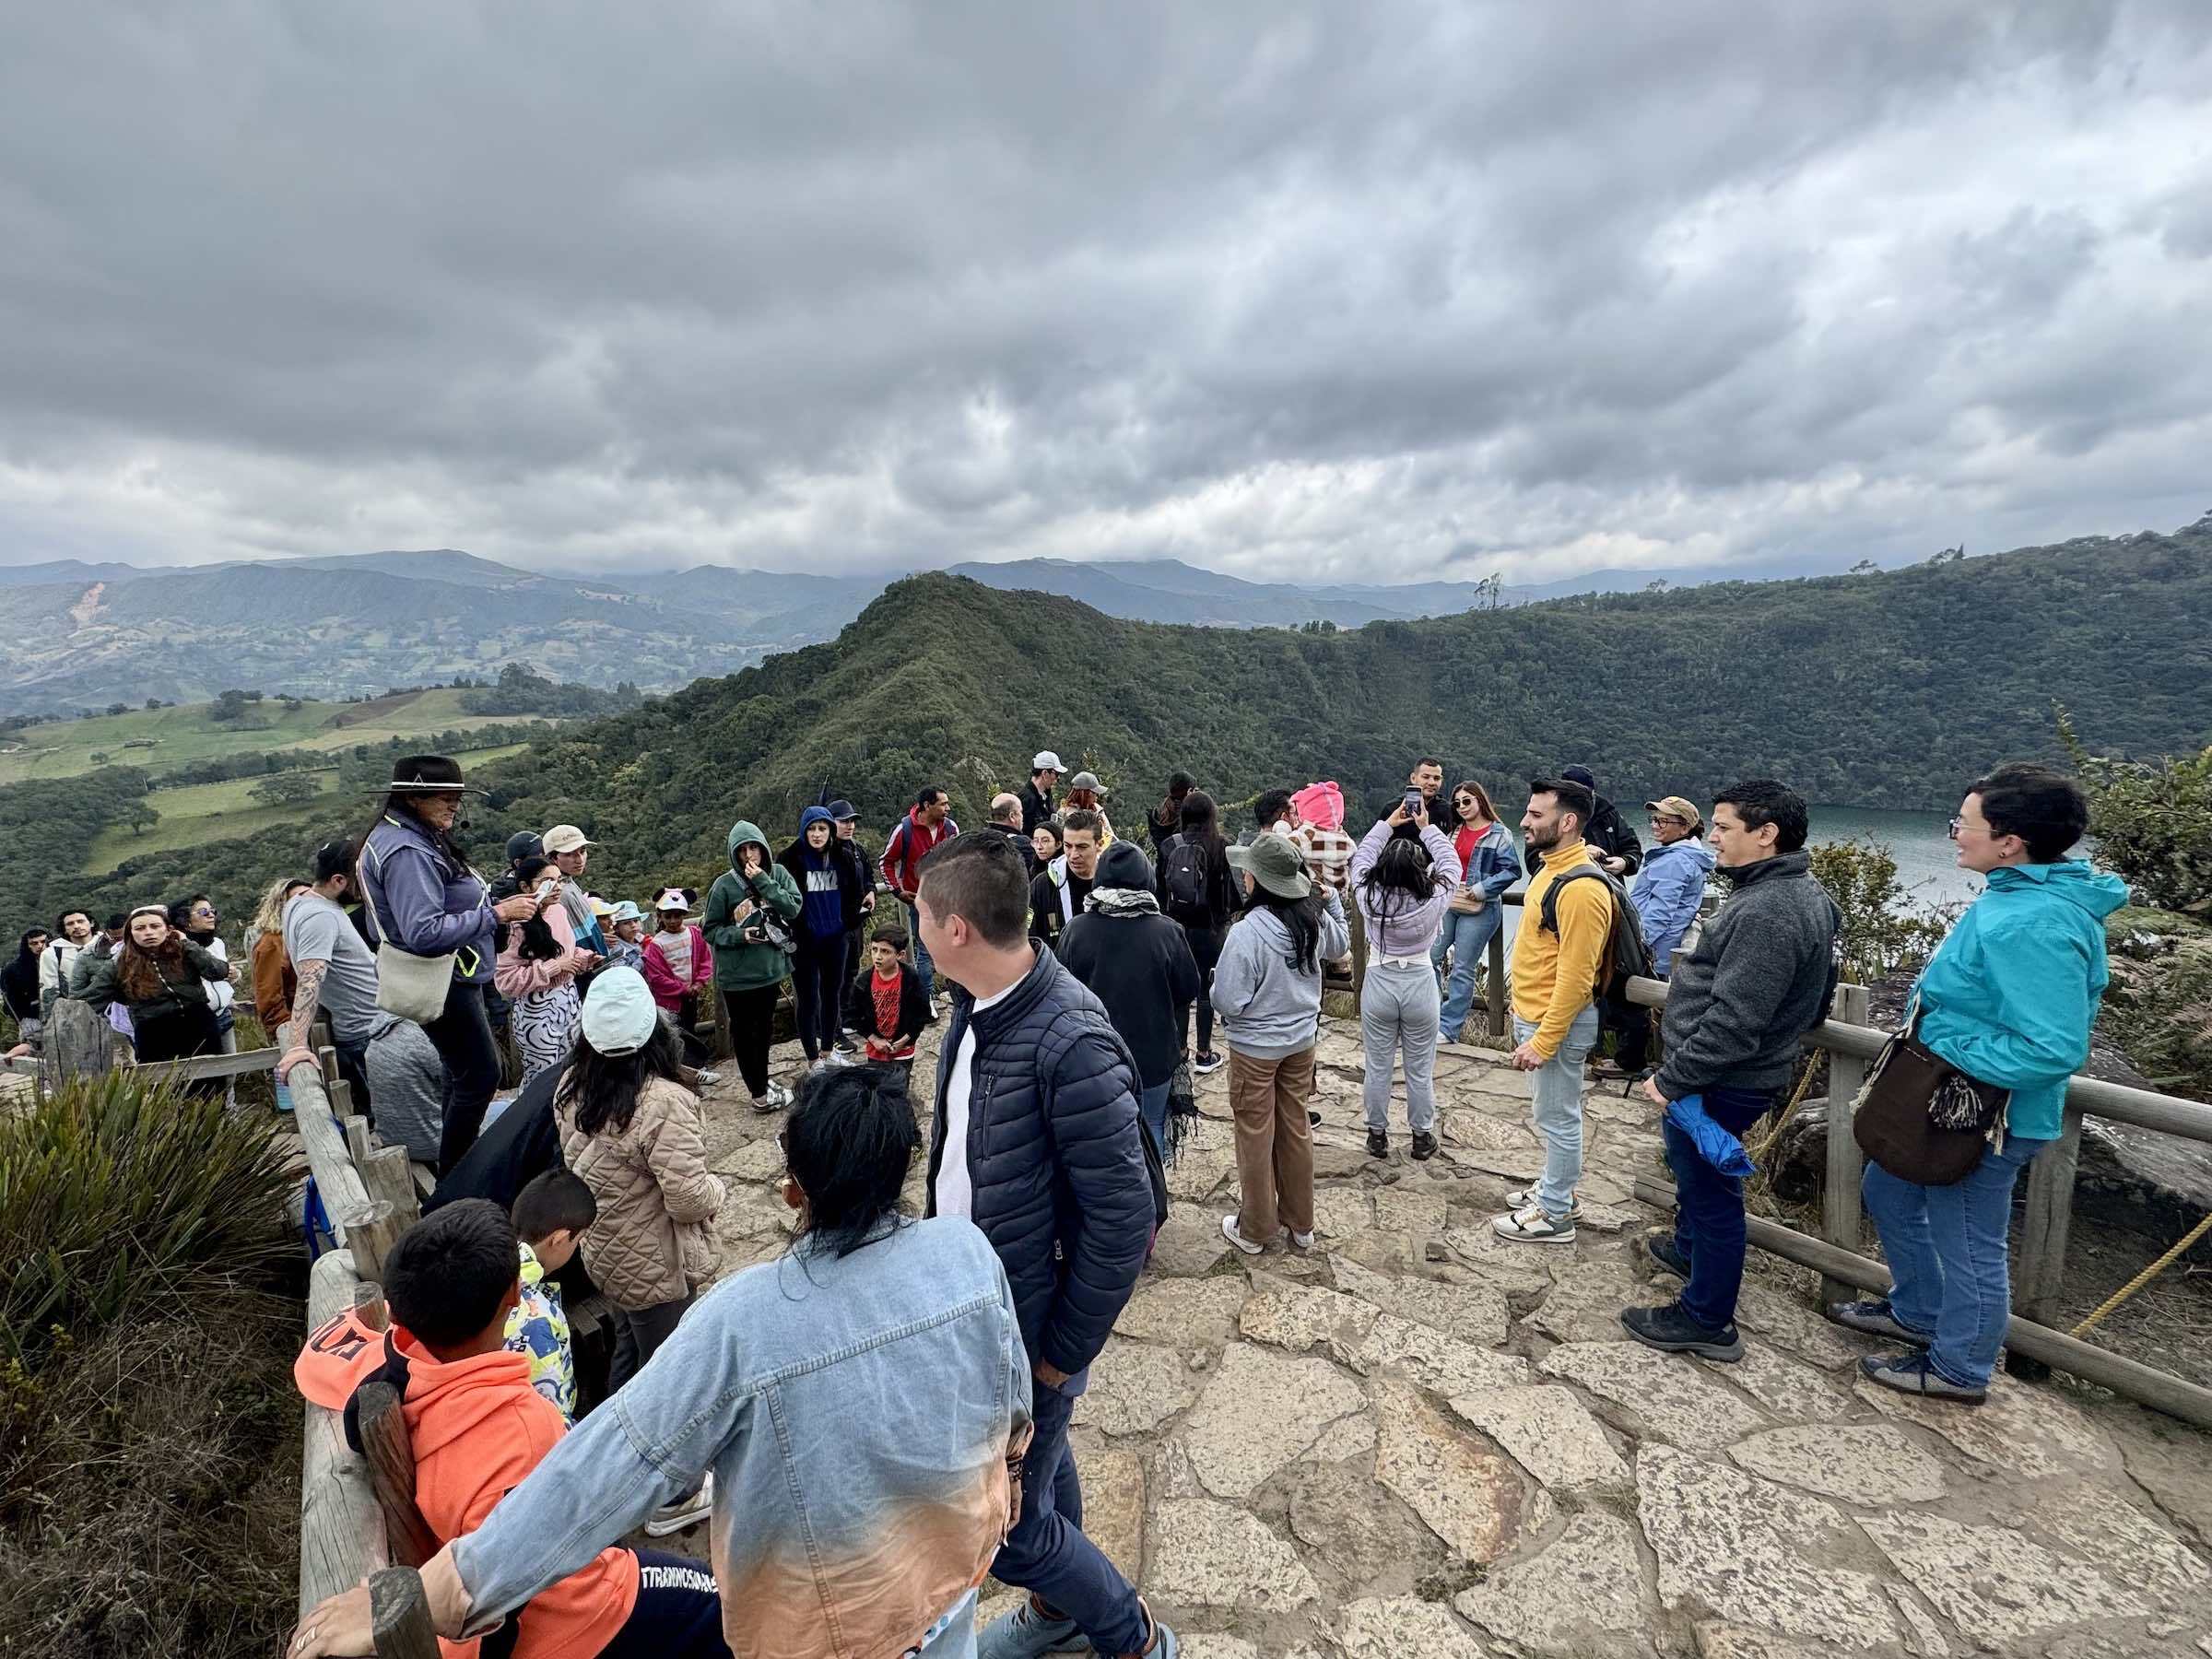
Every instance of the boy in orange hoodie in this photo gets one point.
(478, 1426)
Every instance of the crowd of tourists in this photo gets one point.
(880, 1417)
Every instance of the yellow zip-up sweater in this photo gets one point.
(1555, 976)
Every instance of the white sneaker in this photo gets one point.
(1207, 1063)
(1527, 1197)
(1228, 1231)
(1532, 1226)
(684, 1511)
(1302, 1240)
(777, 1099)
(707, 1077)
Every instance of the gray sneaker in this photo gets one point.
(1525, 1197)
(1532, 1226)
(1874, 1317)
(1916, 1374)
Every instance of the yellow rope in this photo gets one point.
(2144, 1277)
(1782, 1121)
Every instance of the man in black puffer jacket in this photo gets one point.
(1036, 1141)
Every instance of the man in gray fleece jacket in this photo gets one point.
(1736, 1006)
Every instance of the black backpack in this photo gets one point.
(1184, 879)
(1625, 956)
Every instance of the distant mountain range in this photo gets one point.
(87, 635)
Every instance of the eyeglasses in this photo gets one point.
(1955, 826)
(1463, 800)
(1667, 817)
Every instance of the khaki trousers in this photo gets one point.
(1274, 1143)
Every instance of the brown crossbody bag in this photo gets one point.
(1920, 1117)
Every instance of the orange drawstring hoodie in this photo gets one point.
(477, 1428)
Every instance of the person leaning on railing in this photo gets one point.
(2009, 999)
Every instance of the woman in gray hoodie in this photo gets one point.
(1267, 992)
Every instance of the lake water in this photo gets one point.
(1918, 842)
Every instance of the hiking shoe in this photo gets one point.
(1527, 1197)
(1671, 1331)
(1424, 1147)
(1378, 1144)
(1532, 1226)
(1030, 1631)
(1206, 1062)
(1874, 1317)
(1230, 1231)
(673, 1517)
(1667, 1254)
(1916, 1374)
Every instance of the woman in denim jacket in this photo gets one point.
(1490, 867)
(859, 1401)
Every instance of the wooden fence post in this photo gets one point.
(399, 1615)
(725, 1044)
(390, 1178)
(2041, 1273)
(391, 1456)
(341, 1536)
(1494, 993)
(1359, 932)
(370, 1231)
(1839, 1213)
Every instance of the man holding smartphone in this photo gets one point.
(1422, 797)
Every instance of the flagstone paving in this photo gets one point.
(1420, 1440)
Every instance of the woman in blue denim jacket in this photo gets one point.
(1490, 867)
(2009, 999)
(860, 1402)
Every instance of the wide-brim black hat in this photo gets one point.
(426, 774)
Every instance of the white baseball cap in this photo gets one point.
(567, 837)
(1046, 762)
(618, 1013)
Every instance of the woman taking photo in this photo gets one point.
(1267, 991)
(166, 981)
(538, 963)
(837, 1530)
(829, 890)
(1401, 887)
(2007, 999)
(1198, 889)
(423, 901)
(1474, 913)
(749, 911)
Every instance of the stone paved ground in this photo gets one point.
(1420, 1441)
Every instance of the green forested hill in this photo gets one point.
(1881, 689)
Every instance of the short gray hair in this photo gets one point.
(1006, 808)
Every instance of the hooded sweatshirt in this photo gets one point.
(476, 1428)
(2010, 995)
(822, 907)
(744, 960)
(1270, 1007)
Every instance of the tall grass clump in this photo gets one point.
(149, 1431)
(117, 1199)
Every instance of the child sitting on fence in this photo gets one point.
(550, 1215)
(477, 1427)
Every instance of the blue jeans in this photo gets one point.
(1047, 1554)
(1949, 1258)
(1709, 1208)
(926, 969)
(1152, 1106)
(1556, 1102)
(1468, 939)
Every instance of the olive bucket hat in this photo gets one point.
(1275, 863)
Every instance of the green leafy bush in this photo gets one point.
(2152, 822)
(1883, 929)
(118, 1200)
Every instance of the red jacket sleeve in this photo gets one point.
(660, 979)
(893, 857)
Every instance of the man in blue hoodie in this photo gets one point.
(817, 981)
(2009, 999)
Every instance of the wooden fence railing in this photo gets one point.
(1852, 1043)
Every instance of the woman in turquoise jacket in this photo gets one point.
(2009, 999)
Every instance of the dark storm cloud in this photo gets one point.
(1333, 290)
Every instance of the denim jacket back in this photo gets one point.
(857, 1413)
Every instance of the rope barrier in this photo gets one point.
(2144, 1277)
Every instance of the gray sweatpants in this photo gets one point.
(1398, 1008)
(407, 1089)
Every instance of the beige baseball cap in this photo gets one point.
(1672, 805)
(567, 837)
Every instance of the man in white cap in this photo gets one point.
(570, 851)
(1037, 793)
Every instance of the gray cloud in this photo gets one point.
(1329, 291)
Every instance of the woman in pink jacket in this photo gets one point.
(539, 960)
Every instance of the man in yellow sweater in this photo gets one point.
(1554, 983)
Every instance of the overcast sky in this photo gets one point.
(1371, 293)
